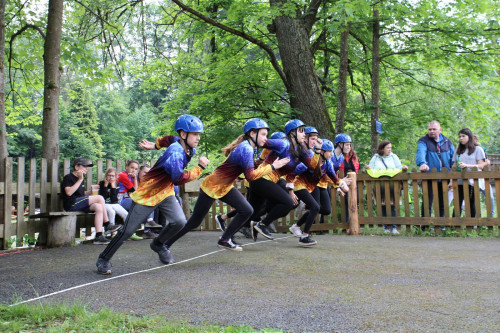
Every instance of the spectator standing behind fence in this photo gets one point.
(389, 162)
(76, 198)
(468, 157)
(434, 150)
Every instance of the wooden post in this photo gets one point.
(353, 205)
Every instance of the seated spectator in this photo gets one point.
(108, 189)
(76, 198)
(384, 159)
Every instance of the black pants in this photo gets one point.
(313, 205)
(265, 192)
(431, 198)
(202, 206)
(325, 203)
(471, 198)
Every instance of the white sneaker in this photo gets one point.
(295, 230)
(394, 231)
(386, 230)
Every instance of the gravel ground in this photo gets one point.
(344, 284)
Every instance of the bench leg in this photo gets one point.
(61, 231)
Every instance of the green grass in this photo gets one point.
(484, 232)
(78, 318)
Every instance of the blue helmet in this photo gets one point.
(293, 124)
(189, 123)
(327, 145)
(342, 137)
(278, 135)
(254, 124)
(311, 130)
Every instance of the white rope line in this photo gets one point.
(137, 272)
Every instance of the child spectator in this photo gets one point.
(76, 198)
(108, 189)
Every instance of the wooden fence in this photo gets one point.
(40, 190)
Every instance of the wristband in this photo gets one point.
(201, 166)
(156, 147)
(272, 167)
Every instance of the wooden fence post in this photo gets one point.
(353, 205)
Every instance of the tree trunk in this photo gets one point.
(302, 83)
(375, 80)
(3, 125)
(342, 90)
(52, 75)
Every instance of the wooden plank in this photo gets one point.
(109, 164)
(444, 186)
(477, 200)
(435, 197)
(387, 192)
(497, 195)
(425, 197)
(32, 227)
(89, 179)
(437, 221)
(456, 203)
(360, 187)
(7, 203)
(416, 210)
(119, 167)
(22, 226)
(333, 201)
(397, 197)
(466, 198)
(406, 195)
(54, 197)
(378, 198)
(369, 198)
(66, 167)
(43, 186)
(58, 214)
(487, 195)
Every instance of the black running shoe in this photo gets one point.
(263, 230)
(234, 241)
(163, 253)
(307, 241)
(246, 232)
(113, 227)
(228, 245)
(253, 231)
(103, 266)
(220, 222)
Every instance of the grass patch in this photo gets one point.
(78, 318)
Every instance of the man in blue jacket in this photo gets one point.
(434, 150)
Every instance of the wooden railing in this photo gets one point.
(40, 190)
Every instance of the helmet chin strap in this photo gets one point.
(186, 143)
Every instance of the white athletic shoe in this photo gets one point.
(395, 231)
(295, 230)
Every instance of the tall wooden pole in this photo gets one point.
(353, 204)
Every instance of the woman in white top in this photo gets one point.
(470, 157)
(385, 159)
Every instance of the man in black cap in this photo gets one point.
(76, 198)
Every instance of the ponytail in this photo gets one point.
(230, 147)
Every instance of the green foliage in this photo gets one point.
(78, 318)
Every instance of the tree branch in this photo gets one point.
(239, 33)
(310, 16)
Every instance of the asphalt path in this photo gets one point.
(344, 284)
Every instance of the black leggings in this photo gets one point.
(202, 206)
(325, 202)
(278, 200)
(313, 207)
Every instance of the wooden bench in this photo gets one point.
(61, 227)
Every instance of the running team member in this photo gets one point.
(280, 199)
(219, 185)
(306, 182)
(157, 190)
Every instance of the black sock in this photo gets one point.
(97, 234)
(105, 225)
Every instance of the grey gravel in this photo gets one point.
(344, 284)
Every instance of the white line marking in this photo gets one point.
(133, 273)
